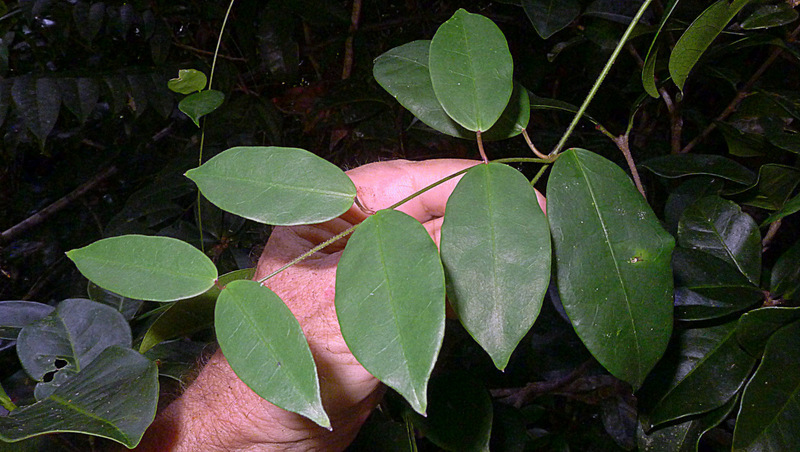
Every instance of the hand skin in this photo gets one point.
(220, 413)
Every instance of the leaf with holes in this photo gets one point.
(612, 263)
(55, 348)
(495, 247)
(390, 302)
(471, 70)
(284, 186)
(266, 348)
(114, 397)
(146, 268)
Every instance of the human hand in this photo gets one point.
(219, 412)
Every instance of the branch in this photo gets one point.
(741, 94)
(518, 397)
(347, 67)
(42, 215)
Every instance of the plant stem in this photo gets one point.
(530, 145)
(524, 160)
(539, 175)
(480, 147)
(219, 42)
(741, 94)
(600, 78)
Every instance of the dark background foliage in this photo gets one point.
(84, 106)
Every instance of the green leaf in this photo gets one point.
(711, 370)
(612, 264)
(713, 277)
(785, 280)
(685, 436)
(80, 96)
(768, 16)
(685, 195)
(189, 316)
(55, 348)
(390, 302)
(188, 81)
(719, 227)
(770, 409)
(114, 397)
(791, 206)
(146, 268)
(756, 327)
(176, 359)
(38, 102)
(459, 414)
(471, 70)
(200, 104)
(15, 314)
(691, 306)
(495, 247)
(403, 73)
(776, 183)
(266, 348)
(699, 36)
(649, 69)
(550, 16)
(284, 186)
(128, 307)
(679, 165)
(5, 401)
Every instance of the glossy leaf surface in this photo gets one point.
(754, 328)
(711, 276)
(679, 165)
(284, 186)
(189, 316)
(720, 228)
(770, 410)
(146, 268)
(459, 415)
(266, 348)
(390, 302)
(699, 36)
(685, 436)
(403, 72)
(200, 104)
(188, 81)
(785, 281)
(685, 195)
(791, 206)
(471, 70)
(67, 340)
(15, 314)
(648, 71)
(768, 16)
(711, 369)
(115, 397)
(550, 16)
(612, 264)
(495, 247)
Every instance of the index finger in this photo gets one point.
(382, 184)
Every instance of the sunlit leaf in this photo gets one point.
(770, 409)
(266, 348)
(459, 413)
(200, 104)
(768, 16)
(785, 281)
(188, 81)
(648, 72)
(114, 397)
(283, 186)
(403, 72)
(495, 247)
(471, 70)
(754, 328)
(390, 302)
(679, 165)
(38, 102)
(146, 268)
(711, 370)
(699, 36)
(189, 316)
(720, 228)
(550, 16)
(612, 263)
(15, 314)
(75, 333)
